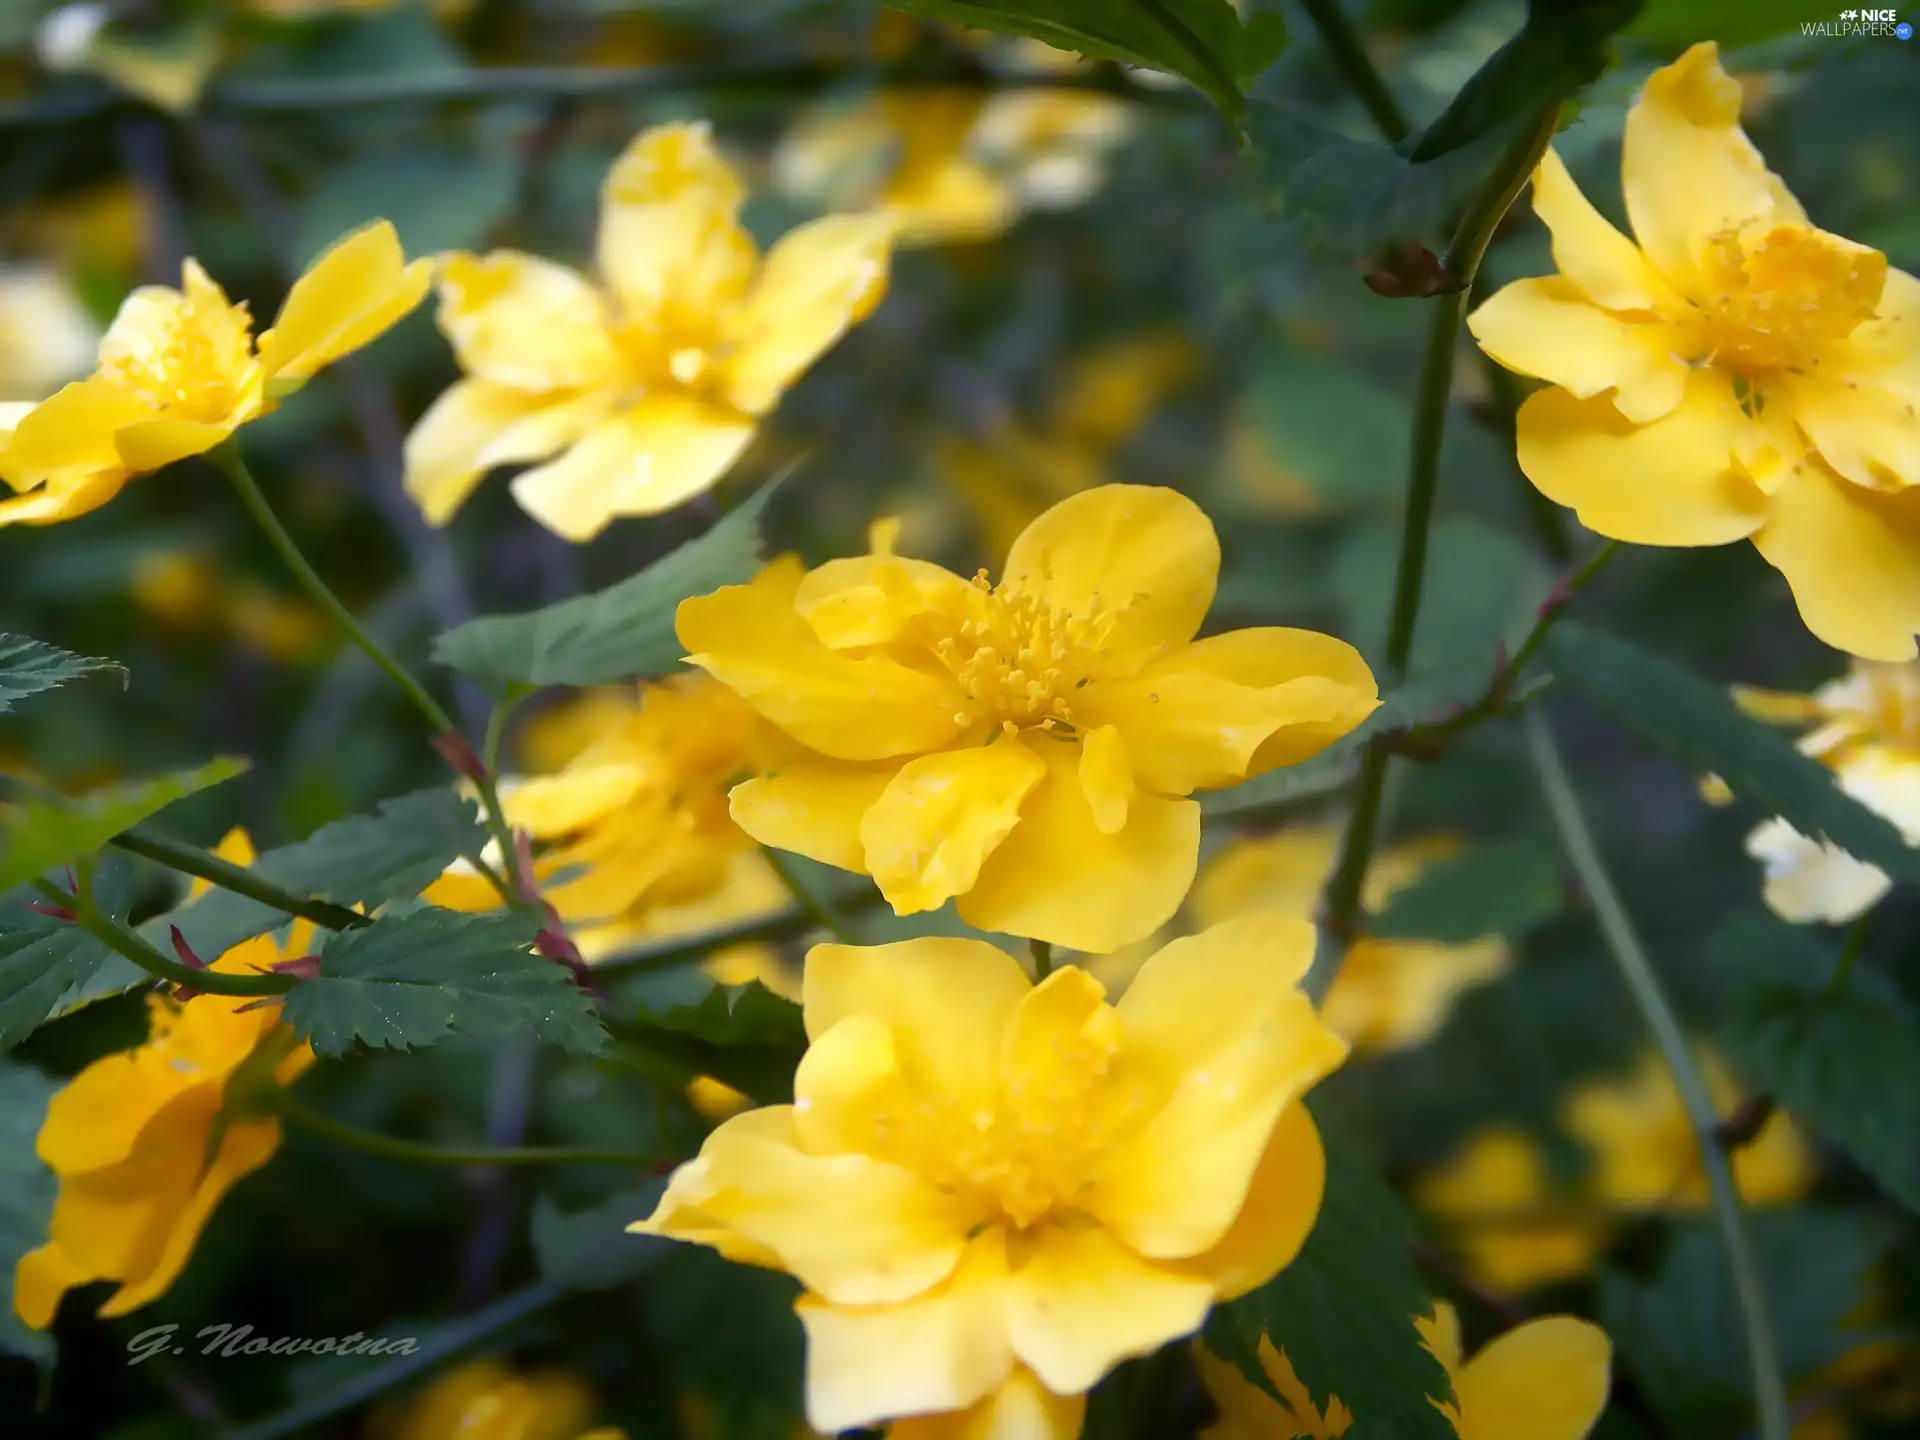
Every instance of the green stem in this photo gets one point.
(1340, 908)
(1350, 59)
(304, 1117)
(205, 865)
(1042, 958)
(228, 461)
(122, 941)
(514, 887)
(817, 907)
(1637, 971)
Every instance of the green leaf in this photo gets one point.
(1562, 48)
(1700, 725)
(1332, 425)
(590, 1249)
(27, 1188)
(1482, 587)
(1199, 40)
(1679, 1329)
(41, 835)
(1343, 1311)
(364, 860)
(1848, 1065)
(1731, 22)
(29, 666)
(438, 198)
(613, 635)
(742, 1035)
(1503, 888)
(44, 960)
(412, 979)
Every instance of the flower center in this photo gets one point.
(674, 349)
(1774, 303)
(1891, 702)
(186, 362)
(1018, 662)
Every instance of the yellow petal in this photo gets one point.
(1605, 265)
(66, 441)
(669, 237)
(152, 444)
(1106, 778)
(1688, 169)
(1440, 1333)
(1079, 1302)
(1868, 431)
(1809, 881)
(547, 806)
(1282, 874)
(352, 294)
(1674, 482)
(752, 640)
(1233, 705)
(1248, 1412)
(1544, 1380)
(476, 425)
(1885, 349)
(41, 1278)
(656, 456)
(1144, 557)
(818, 280)
(1852, 558)
(942, 1350)
(525, 323)
(98, 1118)
(1058, 878)
(48, 506)
(1282, 1202)
(941, 816)
(811, 809)
(1060, 1041)
(1548, 329)
(868, 599)
(1397, 994)
(1021, 1409)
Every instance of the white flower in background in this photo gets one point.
(46, 335)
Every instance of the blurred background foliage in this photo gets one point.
(1108, 291)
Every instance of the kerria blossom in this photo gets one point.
(1499, 1208)
(980, 1174)
(1545, 1380)
(642, 391)
(1388, 994)
(484, 1400)
(179, 371)
(1865, 727)
(131, 1137)
(1027, 749)
(1737, 374)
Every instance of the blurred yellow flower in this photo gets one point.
(958, 165)
(186, 589)
(1513, 1227)
(1866, 729)
(1739, 374)
(179, 372)
(46, 335)
(979, 1173)
(1546, 1379)
(1644, 1151)
(132, 1136)
(1029, 747)
(485, 1400)
(633, 832)
(646, 390)
(1021, 1409)
(1389, 994)
(1249, 1413)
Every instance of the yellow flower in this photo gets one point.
(1515, 1229)
(1546, 1379)
(1739, 374)
(1867, 731)
(46, 335)
(647, 390)
(132, 1137)
(486, 1401)
(1389, 994)
(1644, 1151)
(1026, 747)
(1249, 1413)
(1021, 1409)
(979, 1173)
(179, 372)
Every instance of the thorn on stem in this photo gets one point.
(455, 750)
(1407, 270)
(58, 912)
(303, 967)
(184, 950)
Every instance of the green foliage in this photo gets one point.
(1199, 40)
(438, 198)
(40, 835)
(590, 1249)
(26, 1197)
(1698, 723)
(616, 634)
(742, 1035)
(1482, 588)
(1731, 22)
(1561, 48)
(1343, 1312)
(1502, 888)
(45, 960)
(410, 980)
(1846, 1063)
(28, 667)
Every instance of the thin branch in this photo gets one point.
(124, 942)
(1349, 57)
